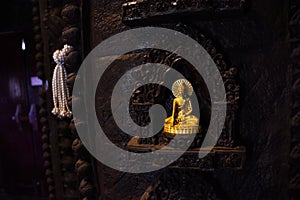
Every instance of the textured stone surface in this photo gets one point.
(256, 43)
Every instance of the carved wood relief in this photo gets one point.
(75, 168)
(176, 184)
(234, 156)
(74, 176)
(143, 10)
(226, 155)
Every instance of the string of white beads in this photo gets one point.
(60, 90)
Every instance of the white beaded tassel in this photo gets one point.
(60, 90)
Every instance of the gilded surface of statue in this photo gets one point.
(182, 121)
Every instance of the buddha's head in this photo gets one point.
(182, 88)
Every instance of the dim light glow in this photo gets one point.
(35, 81)
(23, 45)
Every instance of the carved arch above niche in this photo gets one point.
(143, 11)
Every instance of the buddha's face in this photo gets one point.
(181, 89)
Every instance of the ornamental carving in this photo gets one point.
(145, 9)
(175, 184)
(73, 176)
(148, 95)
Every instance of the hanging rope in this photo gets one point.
(60, 90)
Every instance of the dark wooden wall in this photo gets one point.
(256, 42)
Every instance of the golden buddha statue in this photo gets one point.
(181, 121)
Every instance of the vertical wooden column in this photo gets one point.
(68, 164)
